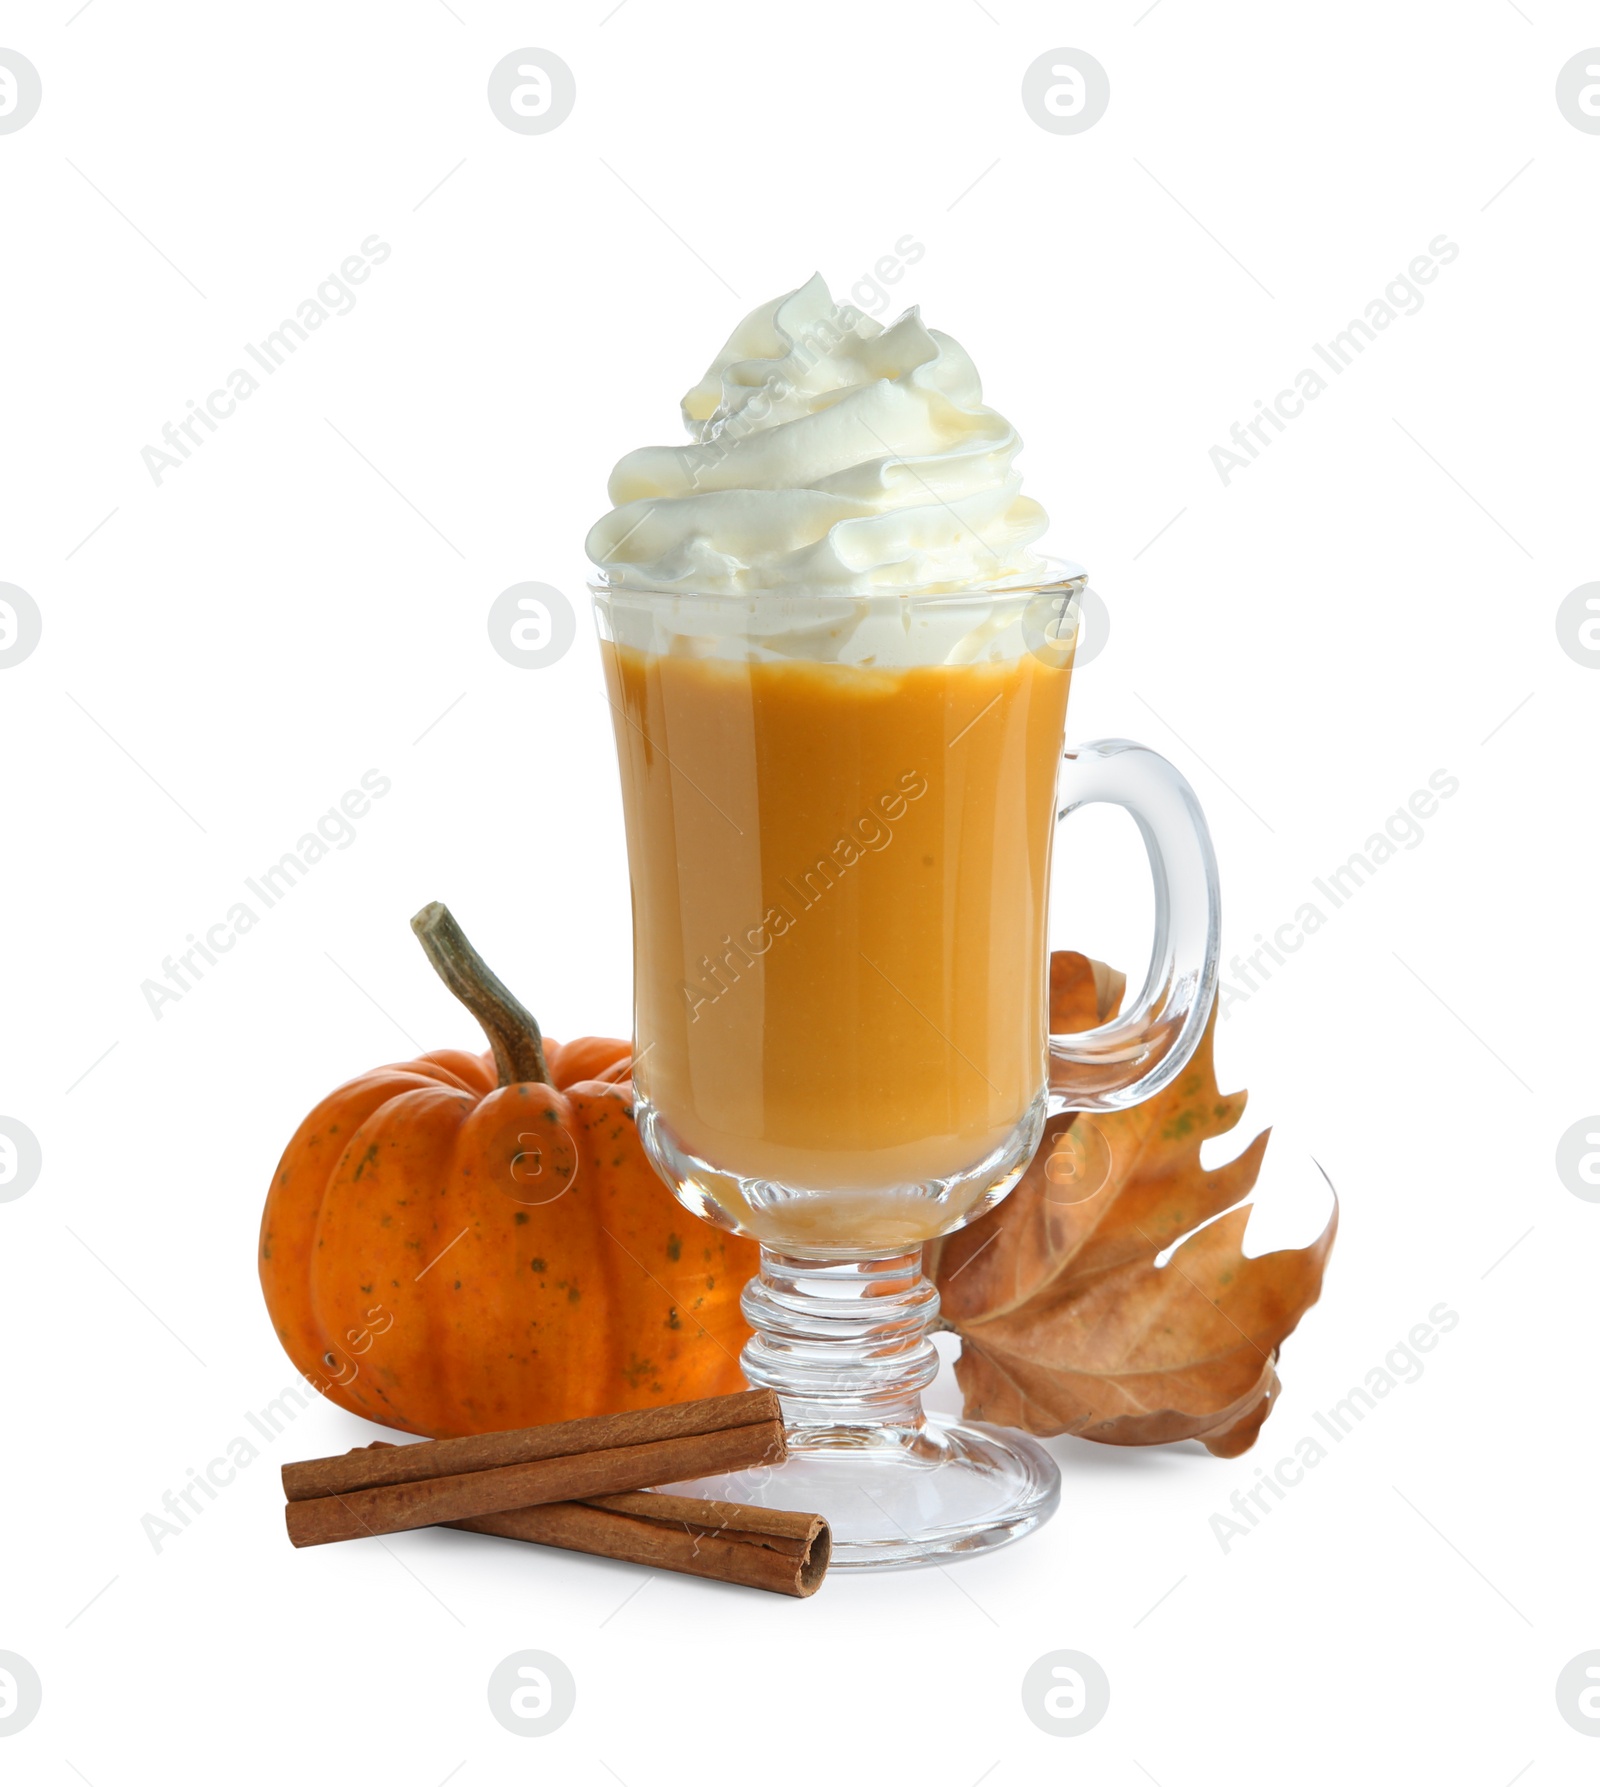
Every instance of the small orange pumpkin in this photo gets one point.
(463, 1243)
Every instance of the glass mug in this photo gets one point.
(840, 815)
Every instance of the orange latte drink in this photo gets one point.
(839, 878)
(839, 749)
(838, 672)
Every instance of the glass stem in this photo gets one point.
(844, 1343)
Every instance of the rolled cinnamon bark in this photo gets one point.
(375, 1466)
(394, 1507)
(767, 1548)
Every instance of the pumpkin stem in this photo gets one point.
(507, 1022)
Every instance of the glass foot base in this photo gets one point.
(894, 1501)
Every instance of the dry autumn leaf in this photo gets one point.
(1068, 1325)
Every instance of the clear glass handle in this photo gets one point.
(1136, 1054)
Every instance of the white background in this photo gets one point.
(1371, 601)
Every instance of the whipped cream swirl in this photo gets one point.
(829, 453)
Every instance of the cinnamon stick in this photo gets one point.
(392, 1490)
(372, 1467)
(766, 1548)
